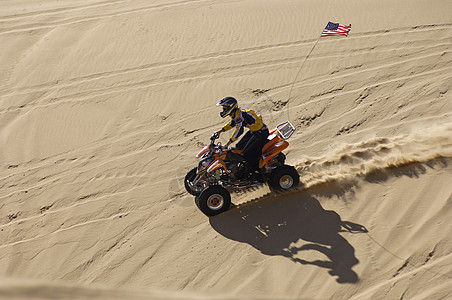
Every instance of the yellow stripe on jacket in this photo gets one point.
(243, 118)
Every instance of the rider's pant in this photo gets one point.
(252, 144)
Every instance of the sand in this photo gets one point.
(104, 104)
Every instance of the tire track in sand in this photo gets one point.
(195, 59)
(187, 77)
(59, 10)
(76, 20)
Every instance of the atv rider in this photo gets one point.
(253, 141)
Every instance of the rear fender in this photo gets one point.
(279, 147)
(270, 144)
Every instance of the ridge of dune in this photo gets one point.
(36, 289)
(104, 104)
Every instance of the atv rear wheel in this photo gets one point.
(213, 200)
(284, 178)
(192, 189)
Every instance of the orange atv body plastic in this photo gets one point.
(272, 148)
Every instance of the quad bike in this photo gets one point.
(221, 168)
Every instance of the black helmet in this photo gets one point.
(229, 105)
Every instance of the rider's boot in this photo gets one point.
(254, 173)
(256, 176)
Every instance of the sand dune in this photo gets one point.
(104, 104)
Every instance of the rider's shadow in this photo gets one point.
(276, 227)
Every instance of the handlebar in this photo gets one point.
(214, 136)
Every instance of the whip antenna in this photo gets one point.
(296, 76)
(331, 29)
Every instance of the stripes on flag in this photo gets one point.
(336, 29)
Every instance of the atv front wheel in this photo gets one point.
(188, 182)
(284, 178)
(213, 200)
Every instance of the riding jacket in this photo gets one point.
(244, 118)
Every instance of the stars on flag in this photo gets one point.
(336, 29)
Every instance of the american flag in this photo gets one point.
(333, 29)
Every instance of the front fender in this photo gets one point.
(215, 165)
(204, 150)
